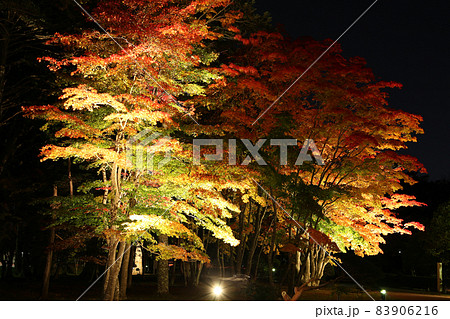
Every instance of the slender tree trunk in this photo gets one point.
(112, 289)
(272, 246)
(199, 272)
(70, 177)
(219, 263)
(298, 264)
(255, 275)
(254, 243)
(163, 270)
(48, 263)
(187, 274)
(130, 267)
(112, 246)
(124, 272)
(172, 275)
(241, 246)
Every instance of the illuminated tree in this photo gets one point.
(128, 86)
(341, 106)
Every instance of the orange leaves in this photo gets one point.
(70, 133)
(416, 225)
(400, 200)
(290, 248)
(322, 239)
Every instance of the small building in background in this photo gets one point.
(137, 267)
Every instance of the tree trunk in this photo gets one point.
(163, 270)
(255, 274)
(112, 289)
(314, 265)
(187, 274)
(124, 272)
(48, 264)
(254, 243)
(112, 246)
(219, 263)
(272, 246)
(173, 273)
(130, 267)
(241, 246)
(199, 272)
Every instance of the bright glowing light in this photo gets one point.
(217, 290)
(273, 269)
(383, 292)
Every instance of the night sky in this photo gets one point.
(406, 41)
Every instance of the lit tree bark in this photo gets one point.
(163, 270)
(112, 246)
(314, 265)
(124, 272)
(112, 289)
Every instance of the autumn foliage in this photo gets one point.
(156, 70)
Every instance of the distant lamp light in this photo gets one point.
(217, 291)
(273, 269)
(383, 294)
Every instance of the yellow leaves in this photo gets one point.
(163, 225)
(86, 151)
(155, 222)
(83, 98)
(166, 252)
(139, 115)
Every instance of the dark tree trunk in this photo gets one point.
(241, 246)
(130, 267)
(272, 246)
(254, 243)
(219, 262)
(172, 275)
(255, 274)
(198, 274)
(48, 263)
(187, 274)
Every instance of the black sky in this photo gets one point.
(406, 41)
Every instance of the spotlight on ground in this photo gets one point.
(383, 294)
(217, 291)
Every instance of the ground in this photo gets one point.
(70, 288)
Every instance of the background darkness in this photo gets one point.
(406, 41)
